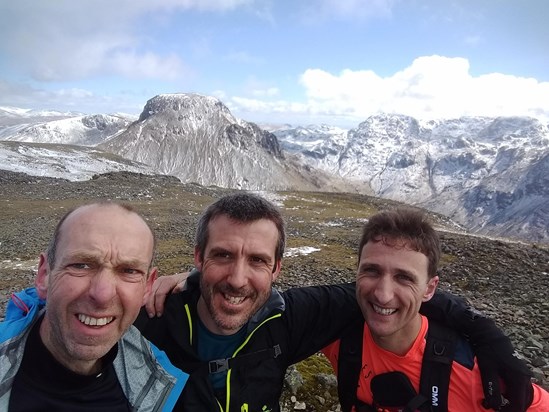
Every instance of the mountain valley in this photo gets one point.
(487, 174)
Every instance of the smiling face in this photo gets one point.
(238, 268)
(392, 283)
(100, 280)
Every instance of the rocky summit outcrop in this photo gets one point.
(506, 280)
(197, 139)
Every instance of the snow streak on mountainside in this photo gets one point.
(320, 146)
(85, 130)
(488, 174)
(63, 161)
(197, 139)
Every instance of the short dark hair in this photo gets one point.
(51, 250)
(406, 224)
(242, 207)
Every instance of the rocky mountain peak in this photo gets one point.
(197, 139)
(181, 105)
(391, 126)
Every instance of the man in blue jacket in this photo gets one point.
(69, 343)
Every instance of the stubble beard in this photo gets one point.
(225, 318)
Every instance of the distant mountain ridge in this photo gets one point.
(83, 130)
(63, 161)
(488, 174)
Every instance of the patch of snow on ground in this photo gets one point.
(300, 251)
(274, 198)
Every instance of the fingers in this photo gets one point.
(162, 287)
(520, 396)
(182, 282)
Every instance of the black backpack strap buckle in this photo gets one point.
(218, 365)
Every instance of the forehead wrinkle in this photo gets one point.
(99, 257)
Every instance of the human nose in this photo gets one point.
(238, 276)
(103, 286)
(384, 290)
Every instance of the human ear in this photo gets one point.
(431, 288)
(276, 269)
(42, 276)
(198, 259)
(153, 274)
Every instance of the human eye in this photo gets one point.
(131, 273)
(221, 255)
(405, 277)
(369, 270)
(79, 266)
(258, 260)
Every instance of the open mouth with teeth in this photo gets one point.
(234, 300)
(383, 311)
(91, 321)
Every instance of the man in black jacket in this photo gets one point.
(234, 333)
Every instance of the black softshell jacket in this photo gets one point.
(301, 321)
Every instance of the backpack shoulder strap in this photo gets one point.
(435, 369)
(436, 366)
(349, 364)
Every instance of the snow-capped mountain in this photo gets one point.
(319, 145)
(197, 139)
(488, 174)
(49, 127)
(63, 161)
(30, 114)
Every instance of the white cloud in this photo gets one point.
(358, 8)
(76, 99)
(66, 40)
(348, 9)
(269, 92)
(431, 87)
(261, 106)
(149, 65)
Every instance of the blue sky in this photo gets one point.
(280, 61)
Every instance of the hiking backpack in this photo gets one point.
(394, 388)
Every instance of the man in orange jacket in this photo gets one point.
(397, 271)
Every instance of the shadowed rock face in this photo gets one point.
(509, 281)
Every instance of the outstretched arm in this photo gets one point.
(493, 349)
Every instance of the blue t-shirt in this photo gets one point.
(213, 346)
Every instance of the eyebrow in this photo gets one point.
(368, 264)
(377, 266)
(218, 249)
(93, 258)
